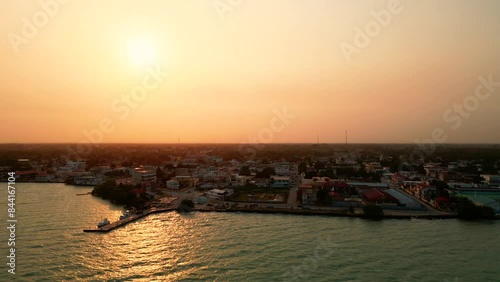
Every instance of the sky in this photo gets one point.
(236, 71)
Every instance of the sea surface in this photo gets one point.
(51, 245)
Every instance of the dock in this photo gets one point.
(125, 221)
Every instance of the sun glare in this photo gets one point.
(142, 51)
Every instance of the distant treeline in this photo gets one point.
(156, 154)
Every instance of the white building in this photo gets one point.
(140, 175)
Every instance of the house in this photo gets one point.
(280, 181)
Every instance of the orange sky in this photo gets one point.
(231, 67)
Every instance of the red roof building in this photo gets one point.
(376, 196)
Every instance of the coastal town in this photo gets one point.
(356, 180)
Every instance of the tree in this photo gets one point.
(421, 170)
(362, 171)
(266, 173)
(245, 170)
(477, 179)
(302, 167)
(311, 174)
(160, 175)
(271, 182)
(319, 165)
(467, 210)
(185, 206)
(373, 212)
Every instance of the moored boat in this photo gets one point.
(125, 215)
(103, 223)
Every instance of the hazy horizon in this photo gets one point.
(256, 72)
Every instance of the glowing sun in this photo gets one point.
(142, 51)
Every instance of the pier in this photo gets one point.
(125, 221)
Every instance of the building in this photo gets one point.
(237, 180)
(485, 201)
(141, 175)
(379, 197)
(492, 180)
(280, 181)
(173, 184)
(87, 180)
(26, 175)
(308, 193)
(403, 199)
(373, 167)
(282, 169)
(186, 181)
(219, 194)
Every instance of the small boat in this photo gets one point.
(103, 223)
(88, 193)
(125, 215)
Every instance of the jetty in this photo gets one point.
(125, 221)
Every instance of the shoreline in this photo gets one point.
(332, 213)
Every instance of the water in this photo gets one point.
(237, 247)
